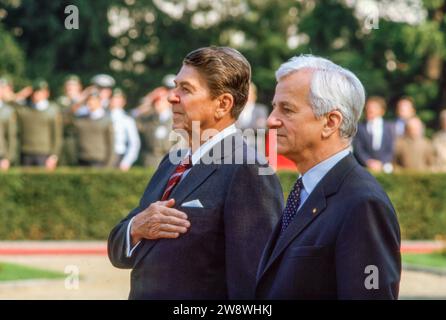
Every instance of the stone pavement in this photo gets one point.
(100, 280)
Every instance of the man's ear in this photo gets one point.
(225, 105)
(332, 122)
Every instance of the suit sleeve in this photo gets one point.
(368, 260)
(389, 145)
(117, 244)
(252, 208)
(359, 148)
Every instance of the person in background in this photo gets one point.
(94, 135)
(414, 151)
(155, 128)
(373, 145)
(254, 114)
(72, 94)
(8, 129)
(127, 143)
(405, 109)
(439, 144)
(104, 83)
(40, 128)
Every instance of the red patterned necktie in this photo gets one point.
(176, 176)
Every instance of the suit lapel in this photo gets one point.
(309, 211)
(313, 207)
(197, 175)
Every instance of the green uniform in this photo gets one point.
(8, 132)
(68, 154)
(40, 132)
(154, 138)
(95, 140)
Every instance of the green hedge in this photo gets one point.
(86, 204)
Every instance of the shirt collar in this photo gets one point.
(42, 105)
(312, 177)
(205, 147)
(97, 114)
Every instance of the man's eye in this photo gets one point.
(186, 90)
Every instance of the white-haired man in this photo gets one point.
(339, 236)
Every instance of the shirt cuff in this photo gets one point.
(129, 250)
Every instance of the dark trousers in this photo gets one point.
(33, 159)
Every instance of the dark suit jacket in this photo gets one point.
(363, 147)
(218, 257)
(346, 224)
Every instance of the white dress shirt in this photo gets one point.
(375, 128)
(127, 142)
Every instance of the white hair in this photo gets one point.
(332, 88)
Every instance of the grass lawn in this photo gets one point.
(436, 260)
(10, 271)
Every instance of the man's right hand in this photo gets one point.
(159, 220)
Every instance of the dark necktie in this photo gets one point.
(176, 176)
(292, 204)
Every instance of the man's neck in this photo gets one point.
(310, 159)
(207, 134)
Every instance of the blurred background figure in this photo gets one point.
(251, 119)
(413, 150)
(72, 94)
(94, 135)
(373, 145)
(40, 128)
(254, 114)
(8, 129)
(127, 142)
(104, 83)
(405, 109)
(439, 144)
(155, 127)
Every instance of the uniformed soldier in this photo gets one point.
(94, 135)
(72, 95)
(104, 83)
(40, 128)
(8, 132)
(155, 129)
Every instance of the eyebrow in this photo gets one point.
(185, 83)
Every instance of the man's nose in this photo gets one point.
(273, 122)
(173, 97)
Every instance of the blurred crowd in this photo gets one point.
(392, 145)
(92, 126)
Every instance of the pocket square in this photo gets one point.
(192, 204)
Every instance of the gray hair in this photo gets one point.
(332, 88)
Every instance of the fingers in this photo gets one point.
(168, 235)
(172, 228)
(168, 203)
(175, 221)
(172, 212)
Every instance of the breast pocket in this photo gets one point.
(307, 251)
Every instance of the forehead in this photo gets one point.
(189, 74)
(295, 86)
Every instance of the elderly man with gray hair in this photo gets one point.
(339, 236)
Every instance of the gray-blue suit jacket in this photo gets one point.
(218, 257)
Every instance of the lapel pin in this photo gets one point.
(314, 210)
